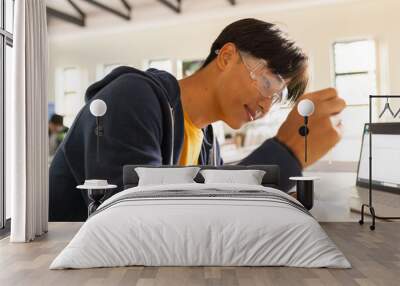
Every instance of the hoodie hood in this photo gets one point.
(170, 90)
(163, 80)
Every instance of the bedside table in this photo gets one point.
(305, 190)
(97, 189)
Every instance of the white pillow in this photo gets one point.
(161, 176)
(248, 177)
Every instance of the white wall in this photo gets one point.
(316, 27)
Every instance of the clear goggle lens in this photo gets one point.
(270, 86)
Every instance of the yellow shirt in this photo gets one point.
(193, 138)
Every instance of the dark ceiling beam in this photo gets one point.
(80, 21)
(176, 8)
(126, 16)
(77, 9)
(127, 6)
(233, 2)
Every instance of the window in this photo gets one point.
(165, 65)
(69, 99)
(104, 69)
(355, 80)
(9, 19)
(355, 75)
(6, 44)
(188, 67)
(109, 67)
(71, 81)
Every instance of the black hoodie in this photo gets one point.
(143, 124)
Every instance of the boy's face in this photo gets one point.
(246, 89)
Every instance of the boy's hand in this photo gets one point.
(323, 134)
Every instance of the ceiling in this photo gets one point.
(99, 7)
(96, 14)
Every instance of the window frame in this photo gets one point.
(147, 63)
(6, 39)
(366, 72)
(331, 156)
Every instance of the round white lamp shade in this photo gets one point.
(305, 107)
(98, 107)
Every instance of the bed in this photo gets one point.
(201, 224)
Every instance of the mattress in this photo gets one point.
(201, 225)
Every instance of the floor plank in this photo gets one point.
(375, 257)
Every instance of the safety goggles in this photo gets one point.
(271, 86)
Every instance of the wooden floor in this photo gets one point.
(375, 257)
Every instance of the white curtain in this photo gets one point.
(26, 117)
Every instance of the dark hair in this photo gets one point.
(56, 119)
(265, 40)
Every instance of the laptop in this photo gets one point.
(385, 170)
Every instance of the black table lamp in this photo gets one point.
(98, 108)
(97, 188)
(305, 109)
(305, 185)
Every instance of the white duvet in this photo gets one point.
(183, 231)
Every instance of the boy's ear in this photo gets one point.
(225, 55)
